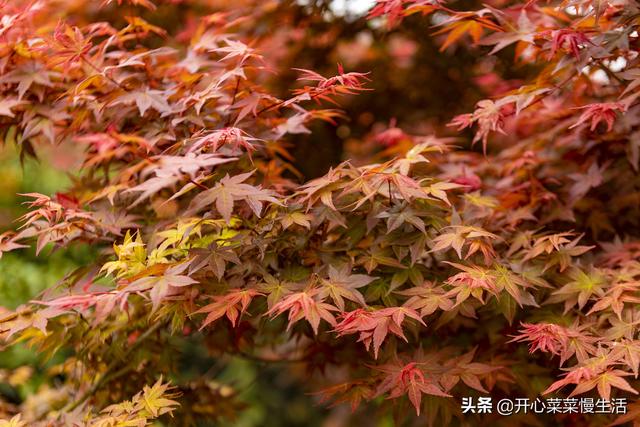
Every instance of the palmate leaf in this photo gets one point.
(232, 304)
(341, 285)
(13, 422)
(427, 298)
(582, 287)
(632, 415)
(558, 340)
(228, 191)
(603, 382)
(150, 403)
(353, 393)
(306, 305)
(146, 99)
(28, 74)
(374, 326)
(161, 286)
(408, 379)
(170, 170)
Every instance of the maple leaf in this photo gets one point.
(135, 60)
(624, 326)
(410, 380)
(615, 299)
(489, 117)
(7, 104)
(514, 284)
(352, 80)
(321, 189)
(148, 404)
(232, 304)
(559, 247)
(557, 340)
(602, 381)
(352, 392)
(27, 74)
(294, 125)
(618, 253)
(69, 44)
(377, 180)
(138, 28)
(570, 39)
(131, 254)
(8, 242)
(473, 281)
(144, 99)
(580, 289)
(170, 169)
(426, 299)
(229, 190)
(603, 112)
(232, 136)
(249, 104)
(393, 10)
(628, 351)
(306, 304)
(584, 182)
(236, 49)
(38, 319)
(161, 286)
(78, 302)
(374, 326)
(392, 136)
(276, 289)
(299, 218)
(15, 421)
(217, 257)
(524, 97)
(464, 368)
(472, 23)
(402, 215)
(342, 284)
(632, 415)
(414, 155)
(455, 240)
(524, 33)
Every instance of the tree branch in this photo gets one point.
(111, 373)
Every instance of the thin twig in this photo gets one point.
(233, 101)
(260, 359)
(102, 73)
(110, 373)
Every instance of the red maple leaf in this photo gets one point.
(374, 326)
(305, 305)
(233, 304)
(603, 112)
(408, 379)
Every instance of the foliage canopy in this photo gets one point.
(413, 274)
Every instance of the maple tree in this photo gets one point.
(492, 252)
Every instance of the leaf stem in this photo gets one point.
(110, 373)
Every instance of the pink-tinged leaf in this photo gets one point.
(233, 304)
(146, 99)
(604, 112)
(229, 190)
(374, 326)
(305, 305)
(6, 106)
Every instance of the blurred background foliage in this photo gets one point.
(23, 274)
